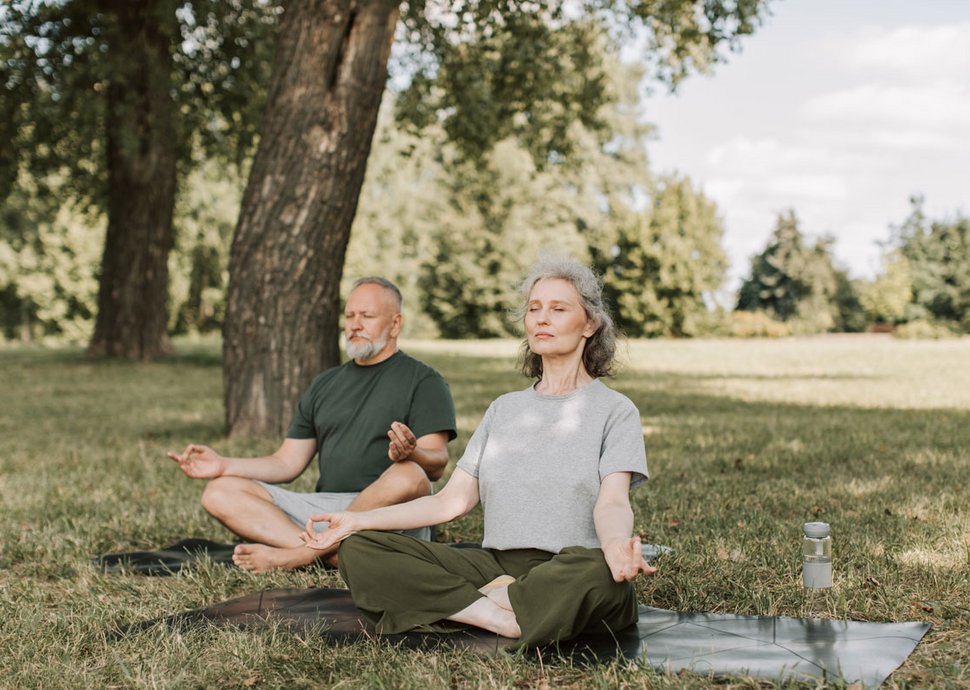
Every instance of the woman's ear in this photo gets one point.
(592, 325)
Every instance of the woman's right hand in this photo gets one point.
(342, 525)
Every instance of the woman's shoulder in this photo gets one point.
(513, 398)
(613, 398)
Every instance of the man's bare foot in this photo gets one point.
(259, 558)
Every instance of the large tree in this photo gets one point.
(483, 69)
(116, 97)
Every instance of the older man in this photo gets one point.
(380, 424)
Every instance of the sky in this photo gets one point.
(839, 109)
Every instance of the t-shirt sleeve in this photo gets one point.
(432, 408)
(623, 449)
(302, 425)
(472, 457)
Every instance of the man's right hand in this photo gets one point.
(199, 462)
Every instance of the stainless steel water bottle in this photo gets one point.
(816, 556)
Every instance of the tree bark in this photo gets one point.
(287, 256)
(141, 157)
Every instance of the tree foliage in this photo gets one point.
(663, 262)
(793, 281)
(59, 58)
(47, 248)
(488, 70)
(113, 100)
(887, 298)
(938, 256)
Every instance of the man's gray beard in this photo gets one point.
(367, 349)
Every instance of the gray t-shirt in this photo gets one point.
(539, 460)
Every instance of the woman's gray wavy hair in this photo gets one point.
(600, 349)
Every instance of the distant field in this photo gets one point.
(746, 440)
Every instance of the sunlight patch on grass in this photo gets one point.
(864, 370)
(859, 488)
(948, 559)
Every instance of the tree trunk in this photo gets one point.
(141, 157)
(283, 302)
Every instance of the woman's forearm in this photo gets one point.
(613, 521)
(420, 512)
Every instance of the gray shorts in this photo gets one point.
(300, 506)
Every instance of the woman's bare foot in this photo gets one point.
(485, 613)
(500, 581)
(498, 591)
(259, 558)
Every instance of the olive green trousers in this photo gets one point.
(404, 584)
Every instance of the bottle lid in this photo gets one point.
(816, 530)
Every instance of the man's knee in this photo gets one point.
(221, 495)
(409, 479)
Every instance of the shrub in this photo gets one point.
(923, 330)
(757, 324)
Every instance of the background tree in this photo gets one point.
(402, 204)
(887, 297)
(112, 98)
(664, 262)
(938, 256)
(47, 248)
(505, 68)
(499, 217)
(205, 216)
(793, 281)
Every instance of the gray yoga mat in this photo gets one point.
(771, 648)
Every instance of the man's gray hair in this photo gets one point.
(384, 283)
(600, 349)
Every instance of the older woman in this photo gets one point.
(552, 466)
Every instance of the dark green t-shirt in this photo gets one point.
(349, 410)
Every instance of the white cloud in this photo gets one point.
(742, 155)
(783, 175)
(918, 51)
(940, 104)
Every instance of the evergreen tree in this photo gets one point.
(793, 281)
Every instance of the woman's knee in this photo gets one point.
(358, 551)
(590, 567)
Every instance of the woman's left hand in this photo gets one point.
(625, 559)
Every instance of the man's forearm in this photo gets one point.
(269, 469)
(432, 460)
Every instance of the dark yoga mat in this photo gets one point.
(772, 648)
(181, 555)
(189, 553)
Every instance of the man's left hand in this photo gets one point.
(402, 442)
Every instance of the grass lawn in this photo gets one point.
(746, 441)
